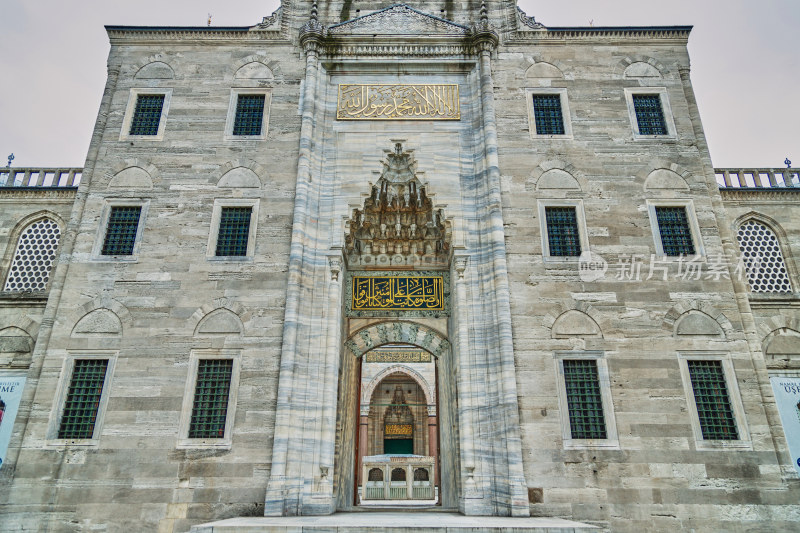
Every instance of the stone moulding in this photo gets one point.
(605, 34)
(444, 311)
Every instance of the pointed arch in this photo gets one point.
(640, 66)
(697, 325)
(427, 388)
(770, 267)
(30, 261)
(156, 70)
(555, 177)
(223, 316)
(101, 316)
(256, 67)
(239, 173)
(397, 331)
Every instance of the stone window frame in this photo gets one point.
(133, 97)
(105, 215)
(62, 389)
(734, 398)
(565, 112)
(783, 248)
(612, 437)
(231, 118)
(226, 441)
(666, 109)
(694, 228)
(583, 233)
(16, 238)
(213, 234)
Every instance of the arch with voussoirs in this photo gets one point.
(355, 404)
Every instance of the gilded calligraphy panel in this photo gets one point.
(406, 430)
(398, 102)
(395, 356)
(397, 293)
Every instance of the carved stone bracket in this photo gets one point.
(460, 264)
(335, 265)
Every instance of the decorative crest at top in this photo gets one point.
(398, 19)
(397, 225)
(270, 21)
(529, 21)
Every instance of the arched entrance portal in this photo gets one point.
(394, 441)
(398, 426)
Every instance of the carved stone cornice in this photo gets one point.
(134, 34)
(746, 196)
(600, 34)
(65, 193)
(388, 21)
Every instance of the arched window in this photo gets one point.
(766, 268)
(34, 257)
(375, 474)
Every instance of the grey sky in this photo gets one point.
(745, 66)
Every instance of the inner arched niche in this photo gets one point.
(398, 224)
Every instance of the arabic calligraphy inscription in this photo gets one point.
(398, 102)
(398, 293)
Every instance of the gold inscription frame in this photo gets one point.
(407, 101)
(441, 311)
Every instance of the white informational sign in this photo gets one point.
(787, 396)
(10, 395)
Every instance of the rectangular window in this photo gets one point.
(562, 231)
(234, 231)
(712, 400)
(147, 114)
(83, 399)
(249, 114)
(210, 404)
(673, 227)
(547, 114)
(123, 223)
(584, 399)
(649, 114)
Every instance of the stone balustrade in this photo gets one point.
(398, 477)
(40, 177)
(757, 178)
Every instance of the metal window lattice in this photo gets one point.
(210, 406)
(584, 400)
(673, 225)
(249, 114)
(234, 230)
(763, 259)
(123, 223)
(713, 404)
(83, 399)
(34, 257)
(649, 114)
(562, 231)
(147, 115)
(547, 114)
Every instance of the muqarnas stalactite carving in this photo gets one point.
(398, 225)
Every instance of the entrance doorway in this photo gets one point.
(398, 441)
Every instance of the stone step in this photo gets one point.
(393, 522)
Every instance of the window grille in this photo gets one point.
(584, 400)
(649, 114)
(83, 399)
(375, 474)
(147, 115)
(210, 406)
(421, 474)
(547, 114)
(34, 257)
(249, 114)
(234, 230)
(398, 474)
(676, 236)
(562, 231)
(123, 223)
(712, 400)
(763, 260)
